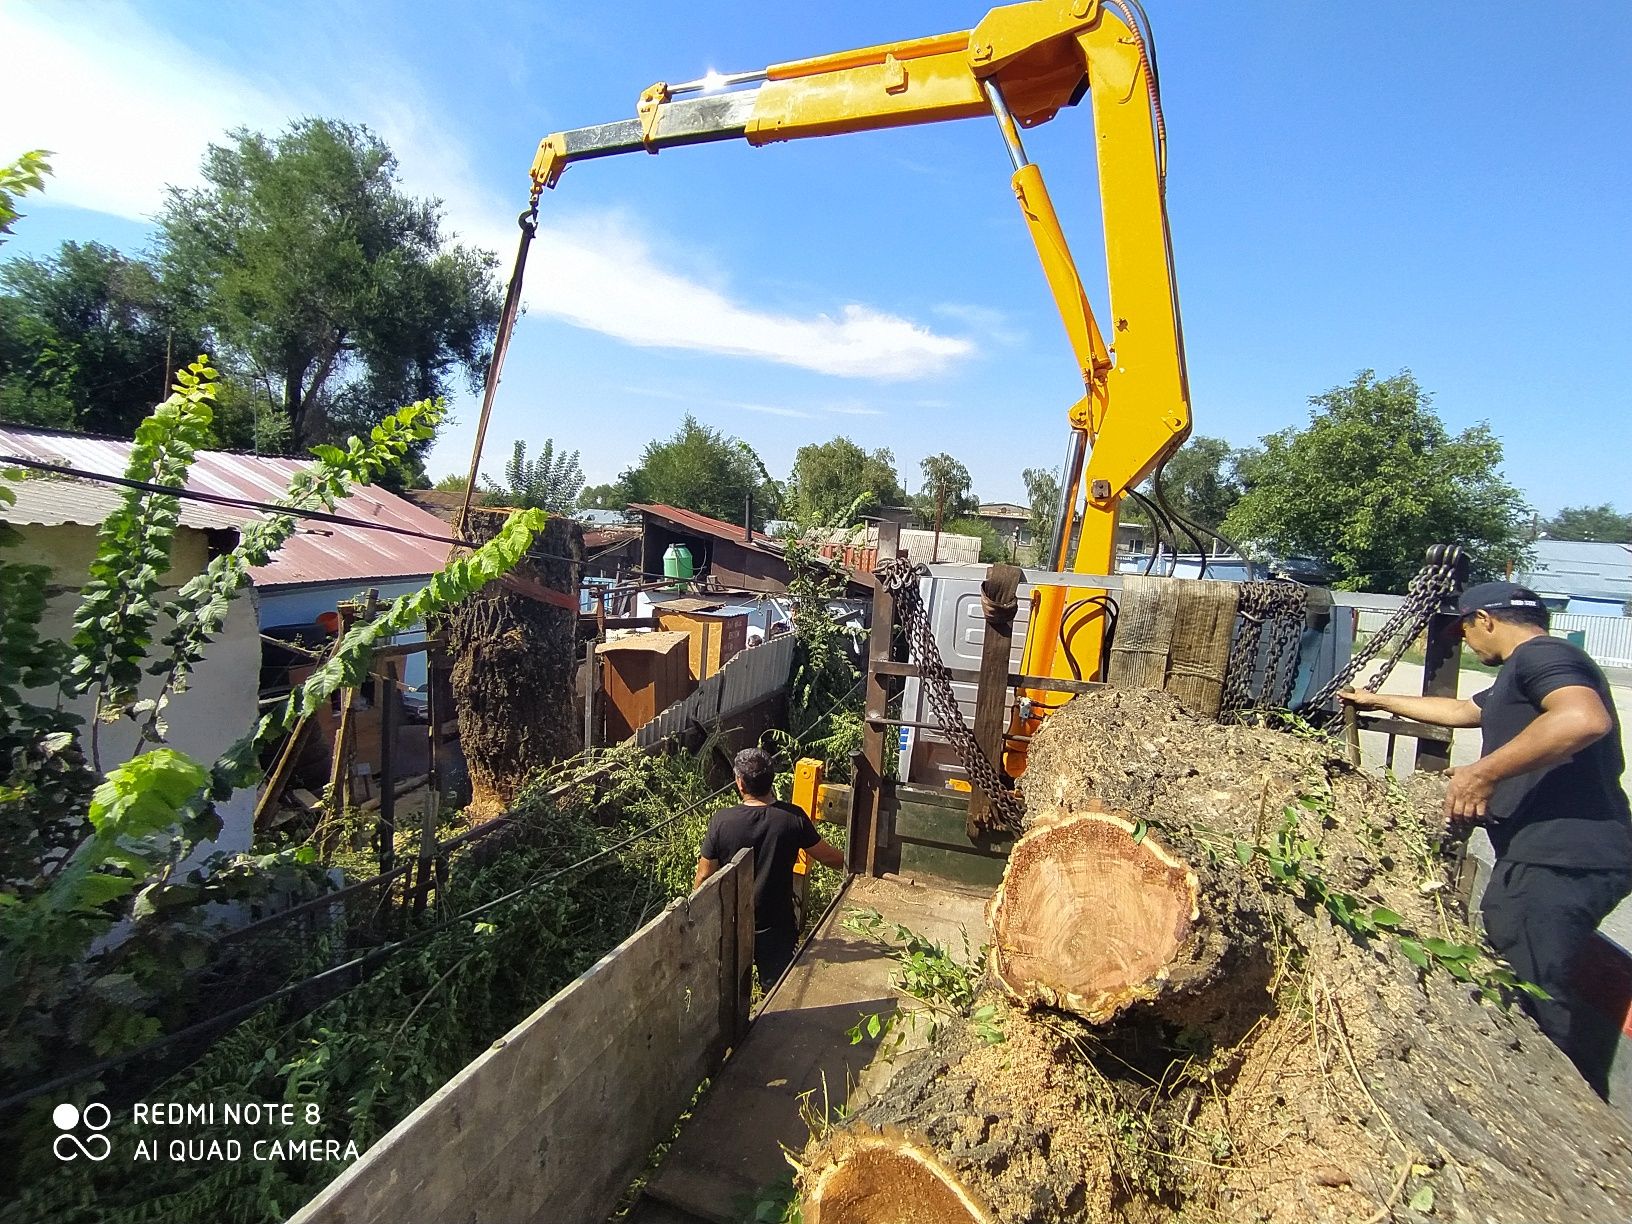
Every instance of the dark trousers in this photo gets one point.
(1540, 919)
(773, 952)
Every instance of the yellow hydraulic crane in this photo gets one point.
(1019, 66)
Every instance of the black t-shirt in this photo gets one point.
(777, 831)
(1574, 814)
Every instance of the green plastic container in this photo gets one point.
(677, 563)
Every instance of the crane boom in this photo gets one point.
(1021, 65)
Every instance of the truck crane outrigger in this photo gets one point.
(1019, 66)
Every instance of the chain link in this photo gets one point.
(1277, 608)
(1424, 596)
(900, 578)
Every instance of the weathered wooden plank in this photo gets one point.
(554, 1119)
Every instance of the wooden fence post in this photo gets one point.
(866, 793)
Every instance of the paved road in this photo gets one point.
(1407, 678)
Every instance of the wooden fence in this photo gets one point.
(748, 678)
(554, 1121)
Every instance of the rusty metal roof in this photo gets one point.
(701, 524)
(317, 552)
(85, 503)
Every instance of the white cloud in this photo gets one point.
(993, 324)
(704, 400)
(852, 410)
(128, 111)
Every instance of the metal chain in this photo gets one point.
(1276, 607)
(1424, 596)
(900, 579)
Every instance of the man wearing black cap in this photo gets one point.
(1548, 788)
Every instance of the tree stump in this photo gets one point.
(1188, 1030)
(1092, 915)
(514, 660)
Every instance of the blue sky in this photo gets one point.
(1390, 185)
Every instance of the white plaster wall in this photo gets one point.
(218, 706)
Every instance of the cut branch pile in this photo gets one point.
(1234, 989)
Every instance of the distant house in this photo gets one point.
(1580, 576)
(1011, 522)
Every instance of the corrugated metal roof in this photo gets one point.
(701, 524)
(318, 552)
(1581, 568)
(84, 503)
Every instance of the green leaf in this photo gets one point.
(1422, 1200)
(1244, 852)
(1140, 828)
(1385, 918)
(1413, 952)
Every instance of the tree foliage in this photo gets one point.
(699, 468)
(335, 293)
(89, 339)
(1372, 481)
(946, 492)
(614, 496)
(1200, 482)
(550, 482)
(993, 546)
(829, 478)
(1043, 495)
(1602, 523)
(84, 849)
(18, 178)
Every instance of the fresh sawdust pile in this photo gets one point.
(1337, 1082)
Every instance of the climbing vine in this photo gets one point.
(87, 849)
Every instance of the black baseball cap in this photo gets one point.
(1489, 596)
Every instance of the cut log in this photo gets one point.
(1092, 915)
(866, 1176)
(1194, 1036)
(513, 664)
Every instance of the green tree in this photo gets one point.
(1602, 522)
(945, 494)
(993, 546)
(89, 340)
(1043, 494)
(614, 496)
(334, 294)
(550, 482)
(699, 468)
(1372, 481)
(456, 482)
(830, 477)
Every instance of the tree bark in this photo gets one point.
(514, 662)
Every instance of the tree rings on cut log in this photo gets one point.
(1091, 915)
(868, 1178)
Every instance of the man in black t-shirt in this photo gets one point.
(1548, 786)
(777, 831)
